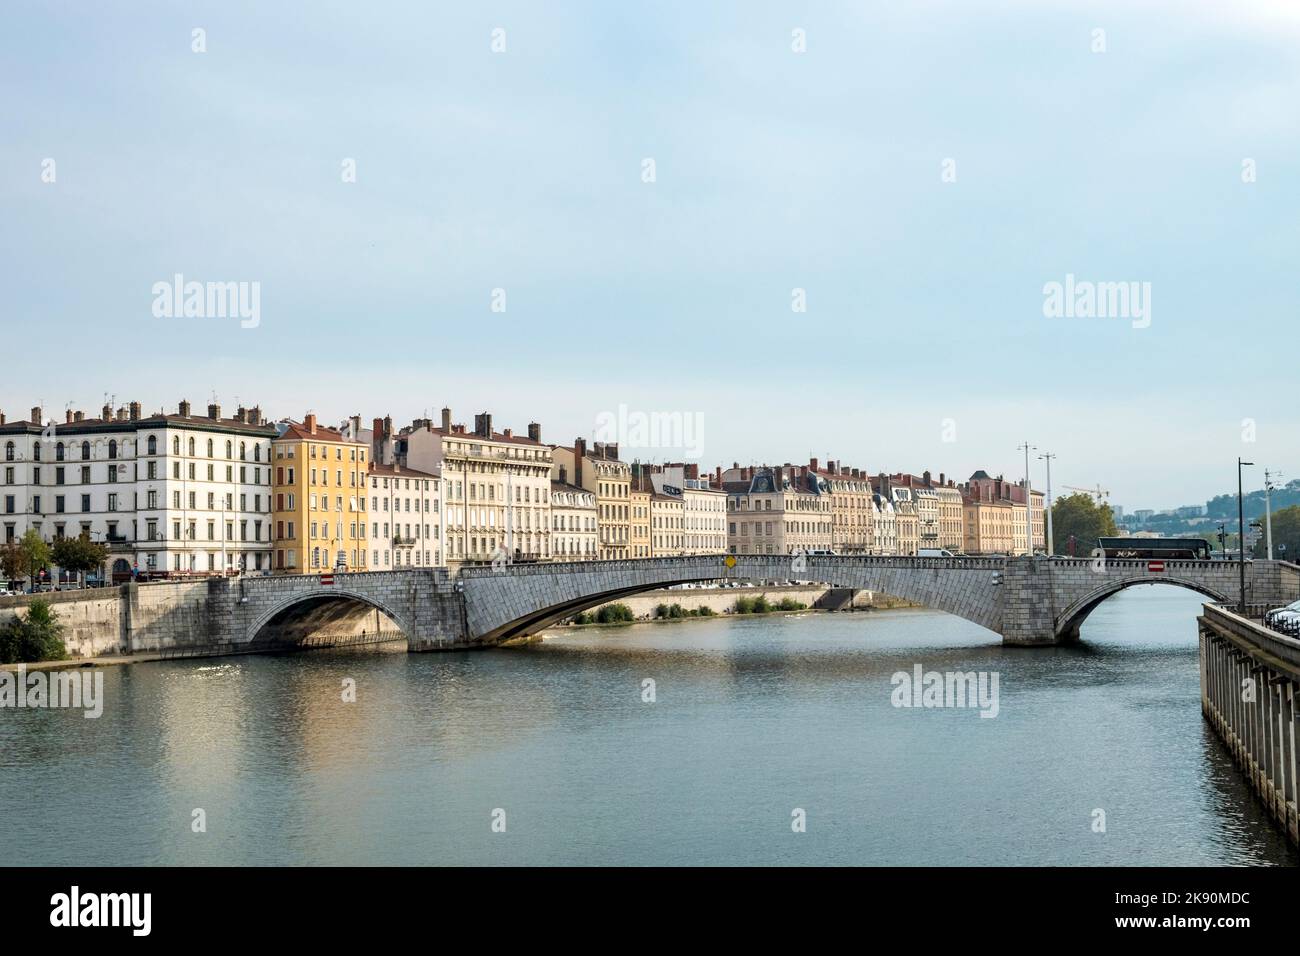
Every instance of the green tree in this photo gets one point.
(11, 561)
(79, 554)
(1286, 535)
(37, 637)
(1080, 517)
(35, 553)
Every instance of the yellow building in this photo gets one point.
(638, 514)
(666, 524)
(319, 492)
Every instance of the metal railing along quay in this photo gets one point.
(1250, 694)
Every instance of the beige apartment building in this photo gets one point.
(776, 511)
(933, 509)
(496, 486)
(600, 471)
(1038, 520)
(638, 502)
(574, 531)
(907, 518)
(851, 511)
(666, 525)
(989, 517)
(951, 533)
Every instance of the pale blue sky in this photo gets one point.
(775, 170)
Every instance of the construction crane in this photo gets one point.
(1099, 493)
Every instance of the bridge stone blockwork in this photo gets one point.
(1027, 601)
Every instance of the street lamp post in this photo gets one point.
(1241, 537)
(1029, 528)
(1047, 457)
(1268, 510)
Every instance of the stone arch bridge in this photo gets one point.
(1028, 601)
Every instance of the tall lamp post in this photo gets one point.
(1241, 537)
(1268, 509)
(1029, 530)
(1047, 457)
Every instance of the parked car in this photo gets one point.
(1279, 614)
(935, 552)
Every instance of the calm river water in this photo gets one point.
(752, 719)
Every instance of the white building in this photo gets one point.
(885, 524)
(170, 495)
(496, 486)
(406, 518)
(574, 527)
(704, 507)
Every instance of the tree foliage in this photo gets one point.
(35, 553)
(1082, 518)
(37, 637)
(79, 554)
(1286, 533)
(12, 563)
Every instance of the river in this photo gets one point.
(752, 721)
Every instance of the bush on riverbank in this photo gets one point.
(38, 637)
(761, 605)
(675, 611)
(609, 614)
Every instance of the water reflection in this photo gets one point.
(752, 718)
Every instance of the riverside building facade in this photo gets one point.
(170, 495)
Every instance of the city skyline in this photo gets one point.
(1011, 468)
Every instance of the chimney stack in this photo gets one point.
(564, 475)
(535, 432)
(309, 423)
(2, 418)
(121, 414)
(509, 433)
(717, 476)
(67, 417)
(106, 413)
(214, 411)
(76, 417)
(377, 426)
(446, 420)
(135, 411)
(579, 451)
(184, 409)
(36, 415)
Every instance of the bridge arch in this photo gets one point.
(1068, 621)
(522, 600)
(297, 615)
